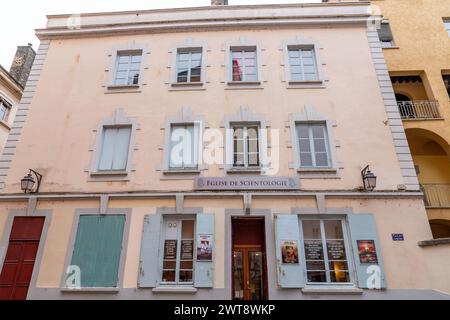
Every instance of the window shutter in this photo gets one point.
(149, 271)
(204, 270)
(287, 228)
(385, 32)
(122, 145)
(97, 249)
(107, 152)
(362, 227)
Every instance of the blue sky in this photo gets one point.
(19, 18)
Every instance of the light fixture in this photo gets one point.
(27, 183)
(369, 179)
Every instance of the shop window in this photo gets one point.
(325, 251)
(178, 251)
(97, 249)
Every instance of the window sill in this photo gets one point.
(90, 290)
(318, 173)
(187, 86)
(109, 173)
(434, 242)
(181, 171)
(244, 170)
(307, 84)
(391, 47)
(135, 88)
(174, 289)
(331, 290)
(242, 85)
(316, 170)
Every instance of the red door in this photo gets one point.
(20, 257)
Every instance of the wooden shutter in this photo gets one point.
(362, 227)
(97, 249)
(287, 228)
(149, 270)
(204, 270)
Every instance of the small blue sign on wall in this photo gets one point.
(398, 237)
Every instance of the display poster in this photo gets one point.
(367, 251)
(313, 250)
(289, 251)
(204, 247)
(170, 249)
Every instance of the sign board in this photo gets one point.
(247, 183)
(398, 237)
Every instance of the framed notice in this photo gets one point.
(289, 251)
(204, 247)
(367, 251)
(170, 249)
(187, 249)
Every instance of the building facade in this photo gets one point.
(213, 153)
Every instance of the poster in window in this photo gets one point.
(170, 249)
(336, 250)
(187, 249)
(313, 250)
(204, 247)
(367, 251)
(289, 251)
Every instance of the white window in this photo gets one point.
(178, 251)
(128, 66)
(313, 145)
(5, 109)
(385, 35)
(325, 250)
(184, 146)
(189, 65)
(115, 147)
(246, 146)
(302, 64)
(447, 25)
(244, 65)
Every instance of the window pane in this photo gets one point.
(318, 131)
(186, 265)
(253, 159)
(134, 78)
(336, 250)
(333, 229)
(136, 58)
(321, 160)
(311, 229)
(122, 67)
(121, 147)
(318, 265)
(306, 160)
(238, 133)
(319, 145)
(236, 54)
(314, 250)
(252, 77)
(237, 70)
(305, 145)
(303, 131)
(294, 54)
(183, 56)
(107, 154)
(188, 229)
(185, 276)
(307, 53)
(253, 146)
(310, 76)
(135, 66)
(309, 69)
(250, 62)
(296, 69)
(297, 76)
(238, 160)
(168, 276)
(124, 59)
(316, 276)
(197, 56)
(340, 276)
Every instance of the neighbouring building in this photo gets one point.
(12, 84)
(213, 153)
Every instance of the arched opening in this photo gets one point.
(440, 228)
(400, 97)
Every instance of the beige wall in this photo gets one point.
(70, 101)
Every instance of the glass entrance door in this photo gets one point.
(248, 273)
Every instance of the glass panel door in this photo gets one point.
(248, 273)
(238, 275)
(255, 268)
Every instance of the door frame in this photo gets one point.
(271, 285)
(47, 214)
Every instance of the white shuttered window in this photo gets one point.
(115, 146)
(313, 145)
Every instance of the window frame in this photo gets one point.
(190, 51)
(446, 80)
(300, 49)
(8, 108)
(311, 144)
(197, 129)
(245, 126)
(347, 246)
(102, 148)
(242, 50)
(130, 53)
(447, 25)
(179, 218)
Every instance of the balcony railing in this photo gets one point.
(421, 109)
(436, 195)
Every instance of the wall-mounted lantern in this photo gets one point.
(27, 183)
(369, 179)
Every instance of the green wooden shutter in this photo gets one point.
(287, 228)
(204, 270)
(97, 249)
(362, 227)
(149, 271)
